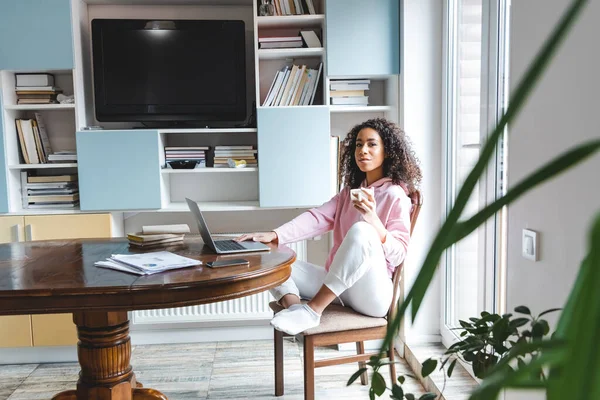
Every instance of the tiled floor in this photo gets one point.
(218, 370)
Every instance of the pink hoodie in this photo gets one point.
(393, 208)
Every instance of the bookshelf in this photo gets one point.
(277, 126)
(59, 121)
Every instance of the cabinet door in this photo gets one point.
(15, 331)
(80, 226)
(119, 170)
(294, 156)
(59, 329)
(363, 38)
(36, 35)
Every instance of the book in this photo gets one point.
(147, 263)
(311, 39)
(42, 79)
(157, 229)
(52, 178)
(312, 98)
(158, 243)
(141, 238)
(351, 101)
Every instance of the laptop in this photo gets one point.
(222, 246)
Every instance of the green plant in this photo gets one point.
(485, 341)
(378, 386)
(572, 356)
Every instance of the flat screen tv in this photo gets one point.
(169, 71)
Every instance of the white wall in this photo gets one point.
(421, 118)
(561, 113)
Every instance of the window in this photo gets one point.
(475, 45)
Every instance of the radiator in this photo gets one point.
(254, 307)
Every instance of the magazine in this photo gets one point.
(147, 263)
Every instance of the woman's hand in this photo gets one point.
(264, 237)
(368, 208)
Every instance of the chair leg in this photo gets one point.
(278, 343)
(309, 368)
(392, 357)
(364, 377)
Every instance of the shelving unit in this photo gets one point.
(60, 122)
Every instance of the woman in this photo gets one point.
(371, 230)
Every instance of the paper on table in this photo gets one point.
(147, 263)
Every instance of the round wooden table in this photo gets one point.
(47, 277)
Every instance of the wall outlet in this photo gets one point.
(530, 245)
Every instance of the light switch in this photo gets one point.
(530, 245)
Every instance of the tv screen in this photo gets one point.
(169, 70)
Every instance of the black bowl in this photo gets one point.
(183, 164)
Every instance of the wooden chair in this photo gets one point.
(342, 325)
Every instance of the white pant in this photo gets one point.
(358, 274)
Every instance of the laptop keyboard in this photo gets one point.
(228, 245)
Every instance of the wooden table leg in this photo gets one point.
(104, 352)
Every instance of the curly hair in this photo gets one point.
(400, 163)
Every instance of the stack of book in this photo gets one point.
(349, 92)
(294, 7)
(36, 89)
(236, 153)
(158, 235)
(49, 191)
(294, 85)
(186, 153)
(279, 42)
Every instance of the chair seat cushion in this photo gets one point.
(337, 318)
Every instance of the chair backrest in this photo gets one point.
(417, 202)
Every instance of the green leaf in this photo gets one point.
(355, 376)
(553, 168)
(451, 368)
(522, 310)
(428, 396)
(401, 379)
(540, 328)
(518, 322)
(428, 367)
(549, 311)
(397, 392)
(378, 383)
(409, 396)
(579, 376)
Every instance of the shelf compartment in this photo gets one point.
(287, 21)
(273, 54)
(43, 166)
